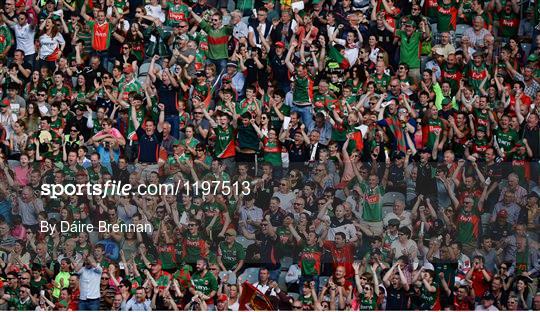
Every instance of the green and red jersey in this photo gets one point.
(381, 82)
(447, 16)
(428, 134)
(176, 13)
(310, 260)
(508, 24)
(6, 38)
(430, 8)
(231, 255)
(167, 255)
(225, 142)
(272, 152)
(303, 89)
(451, 75)
(476, 75)
(372, 203)
(193, 247)
(506, 139)
(205, 283)
(468, 227)
(217, 41)
(101, 35)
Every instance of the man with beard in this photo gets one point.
(204, 283)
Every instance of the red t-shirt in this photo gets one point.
(480, 285)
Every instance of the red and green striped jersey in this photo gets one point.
(217, 41)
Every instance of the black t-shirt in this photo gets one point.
(397, 298)
(149, 145)
(168, 95)
(280, 72)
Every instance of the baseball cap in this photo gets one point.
(502, 214)
(488, 296)
(184, 37)
(446, 101)
(410, 23)
(280, 44)
(232, 64)
(230, 232)
(393, 222)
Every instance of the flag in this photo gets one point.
(358, 140)
(335, 55)
(252, 299)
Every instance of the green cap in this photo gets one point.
(532, 58)
(446, 101)
(410, 22)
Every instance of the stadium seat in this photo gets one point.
(460, 29)
(323, 280)
(281, 280)
(286, 263)
(388, 200)
(143, 69)
(295, 296)
(526, 48)
(244, 241)
(250, 275)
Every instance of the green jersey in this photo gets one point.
(372, 203)
(204, 283)
(432, 125)
(381, 82)
(428, 298)
(368, 304)
(6, 39)
(272, 153)
(176, 13)
(225, 143)
(506, 139)
(303, 89)
(410, 48)
(231, 255)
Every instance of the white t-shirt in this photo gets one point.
(49, 45)
(25, 38)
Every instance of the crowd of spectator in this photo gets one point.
(390, 149)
